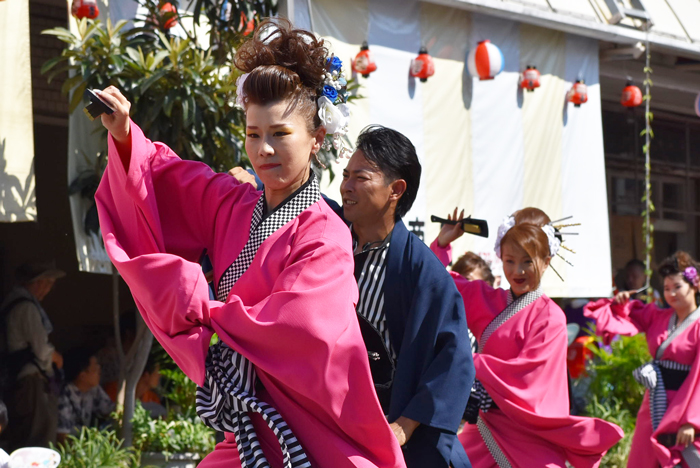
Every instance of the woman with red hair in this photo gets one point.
(519, 410)
(668, 421)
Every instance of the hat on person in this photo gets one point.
(32, 271)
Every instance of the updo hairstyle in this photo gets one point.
(677, 263)
(529, 236)
(284, 64)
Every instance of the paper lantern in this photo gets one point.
(85, 9)
(530, 78)
(169, 11)
(631, 95)
(364, 63)
(485, 61)
(578, 94)
(422, 67)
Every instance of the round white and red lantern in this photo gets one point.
(530, 78)
(85, 9)
(364, 62)
(485, 60)
(631, 95)
(422, 67)
(578, 94)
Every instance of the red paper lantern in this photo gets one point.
(530, 78)
(85, 9)
(364, 63)
(631, 95)
(249, 25)
(168, 10)
(422, 66)
(578, 94)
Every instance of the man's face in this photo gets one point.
(365, 191)
(41, 287)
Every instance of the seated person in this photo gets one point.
(82, 400)
(149, 381)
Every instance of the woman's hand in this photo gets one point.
(686, 435)
(118, 123)
(622, 297)
(243, 176)
(451, 232)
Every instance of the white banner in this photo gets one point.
(17, 185)
(485, 146)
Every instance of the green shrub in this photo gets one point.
(95, 448)
(614, 395)
(175, 434)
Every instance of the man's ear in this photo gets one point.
(398, 188)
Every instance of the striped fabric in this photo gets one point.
(649, 375)
(228, 393)
(515, 305)
(370, 282)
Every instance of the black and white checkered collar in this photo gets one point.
(263, 225)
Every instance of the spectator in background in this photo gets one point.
(108, 356)
(82, 400)
(32, 401)
(145, 389)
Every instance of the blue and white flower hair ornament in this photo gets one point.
(333, 109)
(332, 106)
(554, 237)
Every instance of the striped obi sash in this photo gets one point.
(227, 396)
(661, 375)
(514, 306)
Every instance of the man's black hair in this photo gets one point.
(393, 154)
(635, 262)
(75, 361)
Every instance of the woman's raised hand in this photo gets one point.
(622, 297)
(686, 435)
(451, 232)
(118, 123)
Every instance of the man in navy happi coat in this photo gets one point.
(410, 312)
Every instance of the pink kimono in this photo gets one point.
(291, 313)
(668, 344)
(522, 366)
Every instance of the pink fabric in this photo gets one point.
(523, 368)
(444, 254)
(291, 314)
(684, 404)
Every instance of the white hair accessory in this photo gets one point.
(240, 94)
(509, 222)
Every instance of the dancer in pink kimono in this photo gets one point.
(668, 422)
(519, 413)
(288, 381)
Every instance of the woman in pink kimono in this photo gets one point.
(288, 380)
(668, 421)
(519, 412)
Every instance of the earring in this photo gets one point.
(318, 161)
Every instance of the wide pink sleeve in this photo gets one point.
(156, 220)
(444, 254)
(531, 389)
(685, 406)
(620, 319)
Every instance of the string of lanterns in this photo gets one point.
(88, 9)
(485, 61)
